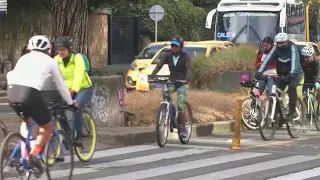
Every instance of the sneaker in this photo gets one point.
(35, 163)
(183, 132)
(292, 116)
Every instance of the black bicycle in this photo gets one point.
(276, 107)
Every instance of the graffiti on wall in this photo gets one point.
(121, 98)
(100, 103)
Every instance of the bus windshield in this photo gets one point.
(247, 27)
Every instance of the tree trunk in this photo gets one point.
(70, 18)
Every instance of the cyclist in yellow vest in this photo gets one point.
(72, 67)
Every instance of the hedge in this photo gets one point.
(239, 58)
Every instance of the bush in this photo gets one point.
(240, 58)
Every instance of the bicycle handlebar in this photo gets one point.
(61, 107)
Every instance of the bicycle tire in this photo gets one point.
(93, 132)
(165, 136)
(4, 128)
(317, 118)
(65, 141)
(4, 150)
(262, 119)
(302, 117)
(246, 122)
(190, 119)
(307, 121)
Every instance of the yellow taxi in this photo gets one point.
(145, 57)
(193, 49)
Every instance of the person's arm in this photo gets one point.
(295, 60)
(159, 66)
(258, 60)
(270, 57)
(61, 86)
(78, 72)
(189, 67)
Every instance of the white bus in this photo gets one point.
(249, 21)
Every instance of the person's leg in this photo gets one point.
(262, 85)
(292, 92)
(82, 98)
(182, 93)
(270, 83)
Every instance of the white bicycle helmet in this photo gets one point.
(281, 37)
(39, 42)
(307, 51)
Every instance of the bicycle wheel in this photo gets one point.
(4, 131)
(162, 118)
(59, 142)
(51, 161)
(11, 165)
(88, 133)
(317, 118)
(309, 114)
(267, 126)
(295, 127)
(249, 115)
(188, 124)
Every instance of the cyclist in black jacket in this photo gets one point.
(311, 68)
(288, 66)
(180, 69)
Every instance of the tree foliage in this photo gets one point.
(181, 18)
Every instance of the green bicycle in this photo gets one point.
(312, 113)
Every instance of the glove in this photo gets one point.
(289, 77)
(317, 85)
(72, 93)
(258, 75)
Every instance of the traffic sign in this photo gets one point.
(156, 12)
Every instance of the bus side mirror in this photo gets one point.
(283, 16)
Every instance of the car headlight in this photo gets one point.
(133, 65)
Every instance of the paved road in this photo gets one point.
(207, 158)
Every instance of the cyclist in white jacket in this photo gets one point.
(25, 82)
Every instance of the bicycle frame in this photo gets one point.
(17, 148)
(172, 109)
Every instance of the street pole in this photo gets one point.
(156, 32)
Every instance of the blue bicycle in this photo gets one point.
(167, 114)
(57, 149)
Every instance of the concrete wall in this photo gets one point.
(227, 81)
(107, 101)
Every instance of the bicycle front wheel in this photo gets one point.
(4, 131)
(162, 120)
(309, 114)
(249, 115)
(89, 134)
(267, 126)
(188, 124)
(59, 149)
(10, 156)
(295, 127)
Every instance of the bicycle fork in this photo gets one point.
(273, 109)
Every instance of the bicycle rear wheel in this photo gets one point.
(188, 124)
(162, 118)
(295, 127)
(10, 155)
(317, 118)
(267, 126)
(88, 133)
(59, 149)
(4, 131)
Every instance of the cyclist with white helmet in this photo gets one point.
(287, 57)
(25, 82)
(310, 67)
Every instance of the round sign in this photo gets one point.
(156, 12)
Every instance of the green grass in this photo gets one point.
(239, 58)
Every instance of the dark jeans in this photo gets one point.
(292, 90)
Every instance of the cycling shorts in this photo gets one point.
(181, 98)
(30, 104)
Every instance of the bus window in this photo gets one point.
(296, 20)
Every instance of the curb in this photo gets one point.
(141, 135)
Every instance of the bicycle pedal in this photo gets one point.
(77, 144)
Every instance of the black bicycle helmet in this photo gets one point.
(64, 41)
(179, 40)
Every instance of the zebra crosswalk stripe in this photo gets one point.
(299, 175)
(184, 166)
(254, 168)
